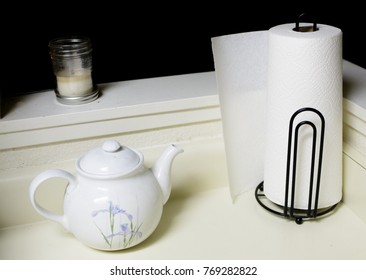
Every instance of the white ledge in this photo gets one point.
(123, 107)
(146, 104)
(354, 83)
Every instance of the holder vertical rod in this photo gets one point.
(311, 212)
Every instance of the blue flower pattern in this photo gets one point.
(127, 232)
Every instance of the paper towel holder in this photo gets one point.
(289, 211)
(299, 28)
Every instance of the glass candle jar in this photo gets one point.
(72, 65)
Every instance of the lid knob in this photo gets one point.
(111, 146)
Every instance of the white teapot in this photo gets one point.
(114, 202)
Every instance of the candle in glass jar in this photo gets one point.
(77, 85)
(72, 65)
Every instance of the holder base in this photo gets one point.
(297, 214)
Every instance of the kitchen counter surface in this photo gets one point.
(200, 221)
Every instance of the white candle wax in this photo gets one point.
(77, 85)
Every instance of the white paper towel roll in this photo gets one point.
(292, 70)
(304, 70)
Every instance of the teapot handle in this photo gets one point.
(38, 180)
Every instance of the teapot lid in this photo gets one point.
(110, 160)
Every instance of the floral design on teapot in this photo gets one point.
(127, 231)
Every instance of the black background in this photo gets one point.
(134, 41)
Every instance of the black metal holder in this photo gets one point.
(299, 28)
(289, 210)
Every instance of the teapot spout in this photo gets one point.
(162, 169)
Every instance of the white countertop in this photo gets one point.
(200, 221)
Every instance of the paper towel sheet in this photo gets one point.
(241, 75)
(263, 78)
